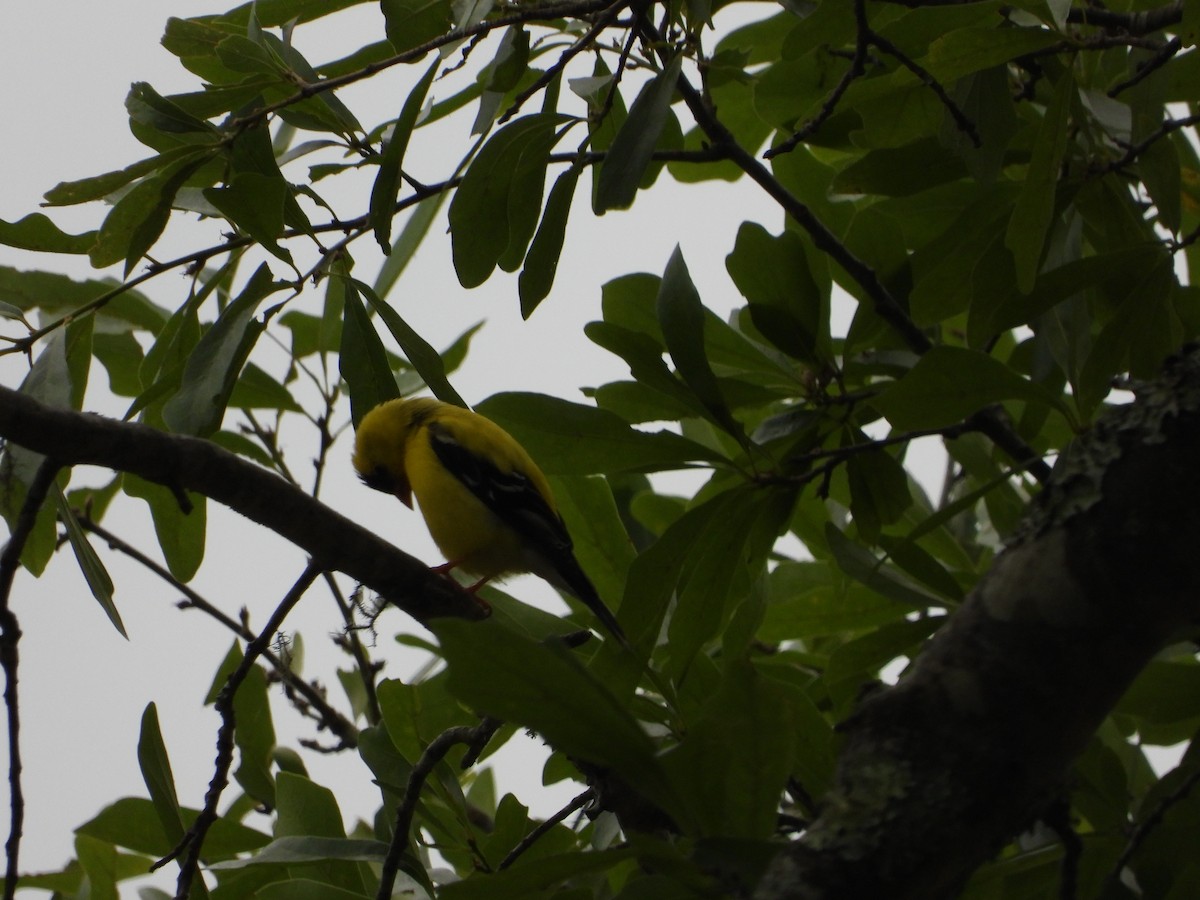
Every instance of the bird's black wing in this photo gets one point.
(516, 501)
(511, 496)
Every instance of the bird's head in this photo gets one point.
(380, 443)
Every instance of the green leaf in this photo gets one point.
(387, 183)
(858, 563)
(255, 738)
(410, 23)
(99, 863)
(900, 171)
(601, 544)
(1116, 269)
(573, 439)
(724, 560)
(133, 226)
(253, 202)
(180, 534)
(520, 882)
(306, 889)
(147, 107)
(494, 211)
(322, 111)
(644, 356)
(36, 232)
(213, 367)
(97, 187)
(308, 810)
(57, 294)
(97, 577)
(1159, 166)
(362, 361)
(1030, 222)
(879, 492)
(743, 802)
(133, 822)
(959, 53)
(786, 304)
(541, 263)
(1137, 337)
(156, 772)
(420, 353)
(629, 156)
(948, 384)
(543, 687)
(808, 601)
(57, 379)
(255, 389)
(681, 315)
(121, 356)
(860, 660)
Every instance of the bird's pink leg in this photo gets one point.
(444, 570)
(480, 583)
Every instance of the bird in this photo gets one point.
(487, 505)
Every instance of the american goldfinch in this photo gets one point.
(487, 505)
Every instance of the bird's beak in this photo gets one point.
(405, 495)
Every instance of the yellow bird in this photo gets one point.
(487, 505)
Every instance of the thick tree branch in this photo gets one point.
(190, 464)
(973, 744)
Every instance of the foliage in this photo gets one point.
(1009, 194)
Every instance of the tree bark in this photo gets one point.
(938, 772)
(184, 463)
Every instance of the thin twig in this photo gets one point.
(1143, 22)
(865, 38)
(362, 662)
(10, 637)
(530, 839)
(329, 717)
(858, 65)
(193, 841)
(961, 119)
(1166, 128)
(1149, 67)
(584, 42)
(434, 753)
(1152, 821)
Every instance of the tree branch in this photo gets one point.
(185, 463)
(10, 637)
(474, 736)
(578, 802)
(974, 743)
(193, 841)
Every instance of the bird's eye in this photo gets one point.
(380, 479)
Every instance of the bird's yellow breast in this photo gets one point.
(469, 534)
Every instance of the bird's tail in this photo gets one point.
(569, 576)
